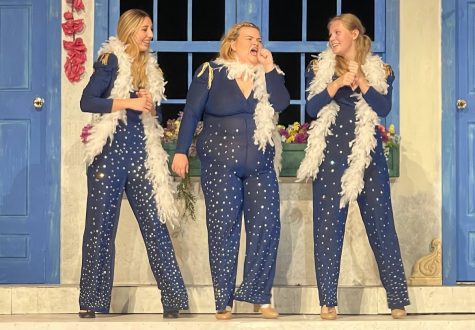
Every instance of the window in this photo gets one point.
(187, 33)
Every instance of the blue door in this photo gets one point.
(29, 142)
(465, 107)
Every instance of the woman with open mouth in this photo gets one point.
(237, 96)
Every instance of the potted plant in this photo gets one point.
(294, 141)
(391, 142)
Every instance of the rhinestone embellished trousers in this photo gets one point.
(238, 179)
(120, 167)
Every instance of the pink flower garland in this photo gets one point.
(76, 56)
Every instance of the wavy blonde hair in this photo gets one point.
(363, 42)
(129, 23)
(225, 50)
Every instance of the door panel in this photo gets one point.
(466, 142)
(25, 219)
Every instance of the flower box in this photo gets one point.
(393, 161)
(292, 156)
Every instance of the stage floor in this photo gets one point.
(241, 321)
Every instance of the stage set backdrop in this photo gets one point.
(43, 188)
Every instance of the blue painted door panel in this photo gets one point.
(466, 141)
(24, 225)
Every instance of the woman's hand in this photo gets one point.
(360, 79)
(180, 164)
(347, 79)
(145, 93)
(143, 104)
(264, 56)
(138, 104)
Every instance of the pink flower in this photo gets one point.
(72, 26)
(383, 132)
(76, 50)
(283, 132)
(68, 15)
(73, 69)
(76, 46)
(85, 132)
(78, 5)
(301, 138)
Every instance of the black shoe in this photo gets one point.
(171, 314)
(87, 314)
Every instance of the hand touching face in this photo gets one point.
(265, 58)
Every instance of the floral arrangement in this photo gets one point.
(173, 127)
(85, 132)
(294, 133)
(184, 195)
(76, 50)
(390, 138)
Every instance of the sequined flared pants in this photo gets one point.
(120, 167)
(376, 211)
(238, 178)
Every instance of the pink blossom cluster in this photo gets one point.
(76, 50)
(85, 132)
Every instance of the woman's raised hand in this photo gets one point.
(264, 56)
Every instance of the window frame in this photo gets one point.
(386, 43)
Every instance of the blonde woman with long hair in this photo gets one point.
(348, 88)
(124, 154)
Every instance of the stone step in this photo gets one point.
(242, 321)
(288, 300)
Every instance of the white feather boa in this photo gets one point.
(104, 127)
(264, 116)
(352, 181)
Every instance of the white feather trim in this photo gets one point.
(277, 139)
(157, 171)
(264, 113)
(352, 181)
(104, 127)
(316, 142)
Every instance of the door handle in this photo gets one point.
(38, 103)
(461, 104)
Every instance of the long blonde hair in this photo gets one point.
(363, 42)
(129, 22)
(225, 50)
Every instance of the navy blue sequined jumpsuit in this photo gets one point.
(374, 201)
(120, 167)
(236, 177)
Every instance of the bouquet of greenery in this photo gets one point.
(184, 195)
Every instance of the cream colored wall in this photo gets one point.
(416, 194)
(73, 184)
